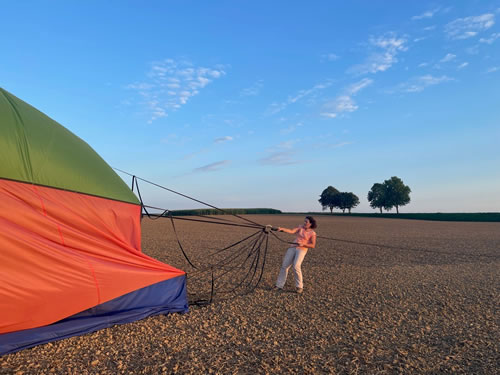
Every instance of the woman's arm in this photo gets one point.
(286, 230)
(311, 244)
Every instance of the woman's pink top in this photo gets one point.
(304, 235)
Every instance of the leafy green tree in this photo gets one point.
(329, 198)
(351, 200)
(342, 198)
(396, 193)
(376, 196)
(347, 201)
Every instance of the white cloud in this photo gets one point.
(423, 65)
(278, 107)
(171, 138)
(329, 57)
(491, 39)
(223, 139)
(329, 145)
(192, 155)
(464, 28)
(345, 103)
(171, 84)
(474, 50)
(253, 90)
(140, 86)
(335, 145)
(279, 158)
(388, 47)
(358, 86)
(329, 114)
(462, 65)
(341, 104)
(428, 14)
(281, 154)
(287, 145)
(418, 84)
(175, 139)
(291, 128)
(341, 144)
(448, 57)
(493, 69)
(212, 167)
(303, 93)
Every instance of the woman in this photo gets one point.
(306, 239)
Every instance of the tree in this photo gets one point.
(352, 201)
(342, 201)
(347, 201)
(376, 196)
(329, 198)
(396, 193)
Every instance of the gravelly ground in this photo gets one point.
(427, 304)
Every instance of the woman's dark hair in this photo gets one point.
(312, 221)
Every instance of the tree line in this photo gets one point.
(387, 195)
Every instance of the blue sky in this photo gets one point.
(265, 104)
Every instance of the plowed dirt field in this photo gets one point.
(385, 296)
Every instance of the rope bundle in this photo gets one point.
(233, 270)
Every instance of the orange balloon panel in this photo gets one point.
(63, 252)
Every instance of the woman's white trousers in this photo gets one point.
(293, 257)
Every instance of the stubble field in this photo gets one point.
(393, 296)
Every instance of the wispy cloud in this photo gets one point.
(491, 39)
(278, 107)
(341, 144)
(253, 90)
(223, 139)
(175, 139)
(474, 50)
(287, 145)
(358, 86)
(428, 14)
(462, 65)
(212, 166)
(448, 57)
(279, 158)
(419, 84)
(468, 27)
(329, 145)
(281, 154)
(387, 48)
(291, 128)
(493, 69)
(329, 57)
(170, 84)
(345, 103)
(192, 155)
(207, 149)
